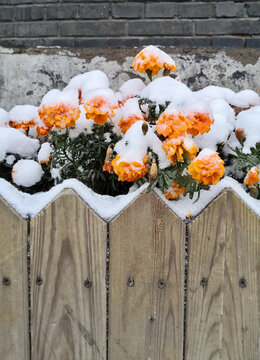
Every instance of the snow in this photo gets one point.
(57, 97)
(249, 121)
(24, 114)
(166, 89)
(14, 142)
(161, 56)
(44, 153)
(82, 125)
(134, 145)
(224, 122)
(108, 207)
(3, 118)
(107, 95)
(90, 80)
(131, 88)
(130, 108)
(26, 173)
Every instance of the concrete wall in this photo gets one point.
(117, 23)
(26, 75)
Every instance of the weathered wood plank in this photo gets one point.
(223, 316)
(146, 246)
(14, 316)
(205, 282)
(241, 317)
(68, 247)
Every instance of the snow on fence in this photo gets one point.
(144, 286)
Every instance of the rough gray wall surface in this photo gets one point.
(117, 23)
(29, 74)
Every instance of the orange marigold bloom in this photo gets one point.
(42, 131)
(129, 171)
(199, 123)
(207, 168)
(174, 191)
(153, 59)
(99, 109)
(107, 166)
(175, 147)
(252, 176)
(60, 115)
(125, 124)
(171, 124)
(23, 125)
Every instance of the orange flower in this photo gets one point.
(107, 166)
(252, 176)
(99, 109)
(153, 59)
(60, 115)
(174, 191)
(42, 131)
(175, 147)
(199, 123)
(129, 171)
(207, 168)
(23, 125)
(171, 124)
(125, 124)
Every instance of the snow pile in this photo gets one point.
(44, 153)
(90, 80)
(167, 89)
(105, 94)
(3, 118)
(14, 142)
(129, 89)
(26, 173)
(249, 122)
(57, 97)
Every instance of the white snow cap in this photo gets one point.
(249, 121)
(246, 98)
(15, 142)
(166, 89)
(26, 173)
(90, 80)
(202, 107)
(24, 113)
(205, 153)
(161, 56)
(134, 145)
(56, 97)
(107, 94)
(3, 118)
(224, 121)
(130, 108)
(131, 88)
(45, 152)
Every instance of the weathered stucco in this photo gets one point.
(27, 75)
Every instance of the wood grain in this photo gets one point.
(68, 247)
(241, 317)
(205, 303)
(146, 246)
(223, 318)
(14, 316)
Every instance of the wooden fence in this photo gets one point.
(146, 286)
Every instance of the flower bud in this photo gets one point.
(153, 171)
(145, 128)
(109, 154)
(254, 192)
(240, 134)
(166, 72)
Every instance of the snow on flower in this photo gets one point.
(171, 122)
(153, 59)
(207, 167)
(130, 113)
(175, 148)
(44, 153)
(59, 108)
(249, 122)
(3, 118)
(99, 104)
(252, 176)
(129, 89)
(26, 173)
(133, 171)
(173, 192)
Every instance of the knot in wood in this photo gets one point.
(204, 282)
(161, 284)
(130, 282)
(88, 283)
(6, 281)
(39, 281)
(242, 283)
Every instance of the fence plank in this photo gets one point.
(68, 247)
(241, 317)
(223, 316)
(205, 282)
(145, 314)
(14, 317)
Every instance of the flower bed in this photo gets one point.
(161, 135)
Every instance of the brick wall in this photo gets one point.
(100, 23)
